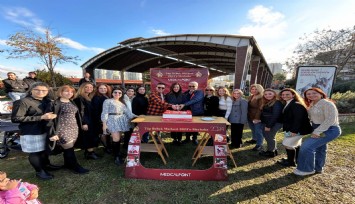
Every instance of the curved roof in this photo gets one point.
(215, 52)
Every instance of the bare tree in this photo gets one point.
(29, 44)
(324, 47)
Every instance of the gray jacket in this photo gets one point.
(239, 112)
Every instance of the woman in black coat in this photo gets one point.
(30, 113)
(87, 139)
(140, 107)
(271, 121)
(211, 102)
(175, 97)
(296, 124)
(102, 93)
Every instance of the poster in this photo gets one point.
(315, 76)
(183, 76)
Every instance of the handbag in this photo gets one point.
(55, 148)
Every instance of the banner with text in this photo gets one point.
(183, 76)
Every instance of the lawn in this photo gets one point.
(255, 180)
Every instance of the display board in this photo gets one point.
(315, 76)
(183, 76)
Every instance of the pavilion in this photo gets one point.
(220, 54)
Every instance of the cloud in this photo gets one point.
(2, 42)
(78, 46)
(160, 32)
(265, 23)
(23, 17)
(26, 18)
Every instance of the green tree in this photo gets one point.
(44, 46)
(279, 77)
(324, 47)
(46, 76)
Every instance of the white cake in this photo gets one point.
(170, 115)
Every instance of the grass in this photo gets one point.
(255, 180)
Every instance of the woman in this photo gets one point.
(30, 113)
(116, 118)
(296, 124)
(254, 111)
(225, 102)
(211, 102)
(102, 93)
(128, 98)
(175, 97)
(65, 127)
(140, 107)
(271, 121)
(238, 117)
(324, 116)
(87, 139)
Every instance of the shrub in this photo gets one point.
(344, 86)
(345, 102)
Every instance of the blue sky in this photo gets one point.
(92, 26)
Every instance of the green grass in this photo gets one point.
(255, 180)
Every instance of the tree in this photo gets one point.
(325, 47)
(279, 77)
(29, 44)
(45, 76)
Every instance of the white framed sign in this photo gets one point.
(321, 76)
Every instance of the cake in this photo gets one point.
(171, 115)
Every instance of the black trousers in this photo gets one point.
(236, 134)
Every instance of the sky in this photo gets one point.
(89, 27)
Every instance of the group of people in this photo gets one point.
(102, 113)
(16, 88)
(314, 115)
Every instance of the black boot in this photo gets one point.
(116, 153)
(91, 155)
(290, 161)
(71, 163)
(44, 175)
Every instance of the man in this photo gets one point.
(194, 102)
(87, 78)
(156, 101)
(14, 88)
(30, 79)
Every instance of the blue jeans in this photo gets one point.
(270, 136)
(16, 95)
(313, 151)
(257, 132)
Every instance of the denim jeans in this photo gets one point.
(16, 95)
(270, 136)
(313, 151)
(257, 132)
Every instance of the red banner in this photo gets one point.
(183, 76)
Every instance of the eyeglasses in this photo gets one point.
(191, 86)
(208, 90)
(160, 87)
(117, 92)
(37, 90)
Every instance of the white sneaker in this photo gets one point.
(303, 173)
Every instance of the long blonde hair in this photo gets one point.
(226, 95)
(81, 91)
(260, 90)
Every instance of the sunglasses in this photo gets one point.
(191, 86)
(160, 87)
(208, 90)
(116, 92)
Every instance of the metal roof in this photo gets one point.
(215, 52)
